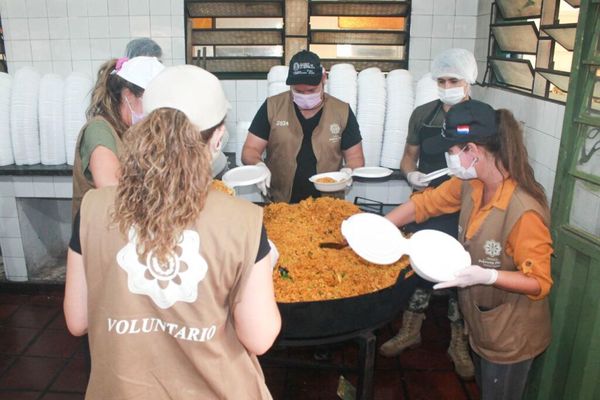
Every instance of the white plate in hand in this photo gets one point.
(435, 174)
(372, 172)
(244, 176)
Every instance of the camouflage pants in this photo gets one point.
(419, 301)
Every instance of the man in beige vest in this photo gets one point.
(304, 131)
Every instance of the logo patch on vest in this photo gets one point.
(282, 123)
(165, 284)
(492, 248)
(335, 133)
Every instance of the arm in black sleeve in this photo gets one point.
(75, 243)
(264, 248)
(260, 125)
(351, 135)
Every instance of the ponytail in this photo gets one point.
(106, 96)
(509, 148)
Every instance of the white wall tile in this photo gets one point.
(438, 45)
(12, 247)
(246, 90)
(467, 7)
(443, 26)
(444, 7)
(118, 7)
(179, 61)
(483, 26)
(63, 68)
(229, 89)
(57, 8)
(246, 110)
(160, 7)
(8, 207)
(160, 26)
(19, 29)
(178, 47)
(177, 26)
(59, 28)
(422, 7)
(481, 67)
(77, 8)
(21, 51)
(177, 8)
(7, 188)
(15, 269)
(97, 8)
(467, 44)
(465, 27)
(97, 63)
(166, 46)
(43, 67)
(9, 227)
(484, 7)
(117, 47)
(36, 8)
(78, 28)
(560, 116)
(481, 49)
(38, 28)
(61, 49)
(262, 87)
(83, 66)
(100, 49)
(421, 26)
(15, 9)
(420, 49)
(43, 186)
(139, 7)
(119, 27)
(418, 68)
(14, 66)
(63, 186)
(139, 26)
(80, 49)
(40, 50)
(98, 27)
(23, 186)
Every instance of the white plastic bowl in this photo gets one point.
(342, 181)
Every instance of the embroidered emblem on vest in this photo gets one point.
(282, 123)
(460, 229)
(492, 248)
(334, 130)
(165, 284)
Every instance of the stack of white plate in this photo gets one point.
(52, 136)
(241, 131)
(426, 90)
(400, 100)
(6, 153)
(371, 113)
(24, 128)
(342, 84)
(276, 79)
(77, 91)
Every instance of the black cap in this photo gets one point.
(469, 121)
(305, 68)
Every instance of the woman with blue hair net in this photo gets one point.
(454, 71)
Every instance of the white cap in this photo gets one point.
(190, 89)
(455, 63)
(140, 70)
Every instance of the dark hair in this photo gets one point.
(106, 96)
(509, 150)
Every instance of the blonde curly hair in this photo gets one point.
(165, 178)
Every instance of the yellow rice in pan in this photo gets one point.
(306, 272)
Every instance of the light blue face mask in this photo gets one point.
(456, 169)
(135, 117)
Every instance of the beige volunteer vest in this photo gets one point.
(286, 135)
(187, 350)
(80, 183)
(514, 328)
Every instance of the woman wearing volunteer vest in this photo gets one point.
(172, 280)
(503, 224)
(304, 131)
(454, 70)
(116, 104)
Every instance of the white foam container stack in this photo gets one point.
(50, 112)
(371, 113)
(24, 128)
(77, 91)
(399, 106)
(276, 80)
(6, 152)
(426, 90)
(342, 84)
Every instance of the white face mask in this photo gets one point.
(307, 101)
(456, 169)
(451, 96)
(135, 117)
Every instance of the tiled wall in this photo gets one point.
(78, 35)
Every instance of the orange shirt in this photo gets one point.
(529, 243)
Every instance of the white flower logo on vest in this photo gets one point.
(165, 284)
(492, 248)
(334, 130)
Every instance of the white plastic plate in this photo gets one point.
(244, 176)
(437, 256)
(372, 172)
(435, 174)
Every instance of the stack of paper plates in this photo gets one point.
(371, 113)
(276, 80)
(52, 135)
(400, 100)
(342, 84)
(24, 128)
(6, 152)
(426, 90)
(77, 91)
